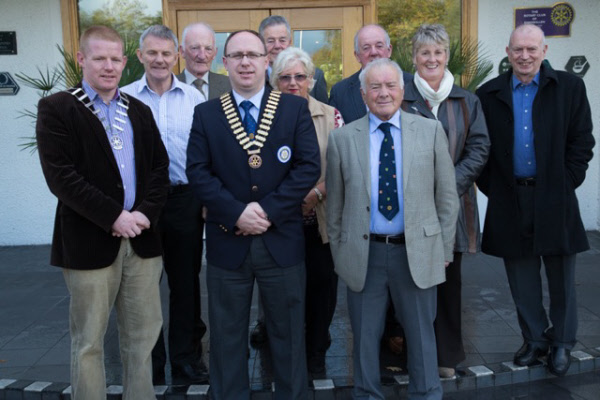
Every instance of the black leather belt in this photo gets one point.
(388, 239)
(526, 181)
(174, 189)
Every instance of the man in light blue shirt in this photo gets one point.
(181, 225)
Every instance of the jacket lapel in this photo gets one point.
(362, 146)
(408, 135)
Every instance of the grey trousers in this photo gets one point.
(415, 309)
(282, 291)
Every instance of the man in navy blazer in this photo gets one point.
(370, 43)
(252, 157)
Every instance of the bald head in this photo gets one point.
(198, 48)
(526, 50)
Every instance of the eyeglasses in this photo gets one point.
(288, 78)
(240, 56)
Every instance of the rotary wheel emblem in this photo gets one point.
(561, 15)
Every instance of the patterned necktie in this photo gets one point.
(249, 121)
(388, 188)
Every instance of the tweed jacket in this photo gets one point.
(430, 200)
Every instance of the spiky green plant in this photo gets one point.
(65, 75)
(468, 62)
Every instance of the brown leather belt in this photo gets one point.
(388, 239)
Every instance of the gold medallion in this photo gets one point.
(254, 161)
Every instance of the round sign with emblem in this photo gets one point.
(284, 154)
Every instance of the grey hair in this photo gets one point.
(289, 57)
(380, 62)
(388, 42)
(274, 20)
(431, 34)
(529, 27)
(187, 29)
(159, 31)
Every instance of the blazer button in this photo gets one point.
(255, 188)
(366, 237)
(368, 208)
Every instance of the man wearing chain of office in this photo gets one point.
(252, 157)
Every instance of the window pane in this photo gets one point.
(128, 17)
(217, 64)
(325, 48)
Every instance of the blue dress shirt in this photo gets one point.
(124, 157)
(380, 224)
(524, 151)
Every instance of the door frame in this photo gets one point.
(70, 17)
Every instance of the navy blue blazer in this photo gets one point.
(345, 96)
(219, 175)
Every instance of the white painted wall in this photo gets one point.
(496, 19)
(26, 205)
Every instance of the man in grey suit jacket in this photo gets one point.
(391, 227)
(198, 48)
(371, 42)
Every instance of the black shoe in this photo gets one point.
(528, 354)
(259, 334)
(559, 360)
(188, 374)
(316, 364)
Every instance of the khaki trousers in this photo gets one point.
(131, 284)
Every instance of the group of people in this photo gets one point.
(374, 185)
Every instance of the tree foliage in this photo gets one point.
(468, 62)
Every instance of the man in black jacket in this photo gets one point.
(540, 129)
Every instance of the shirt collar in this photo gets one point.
(255, 100)
(374, 121)
(175, 84)
(515, 82)
(93, 95)
(190, 78)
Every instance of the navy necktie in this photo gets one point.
(249, 121)
(388, 187)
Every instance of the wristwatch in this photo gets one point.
(319, 194)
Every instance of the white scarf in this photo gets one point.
(435, 98)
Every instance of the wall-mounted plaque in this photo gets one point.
(555, 21)
(8, 43)
(577, 65)
(8, 86)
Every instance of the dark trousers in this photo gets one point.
(321, 291)
(181, 226)
(524, 278)
(448, 321)
(282, 291)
